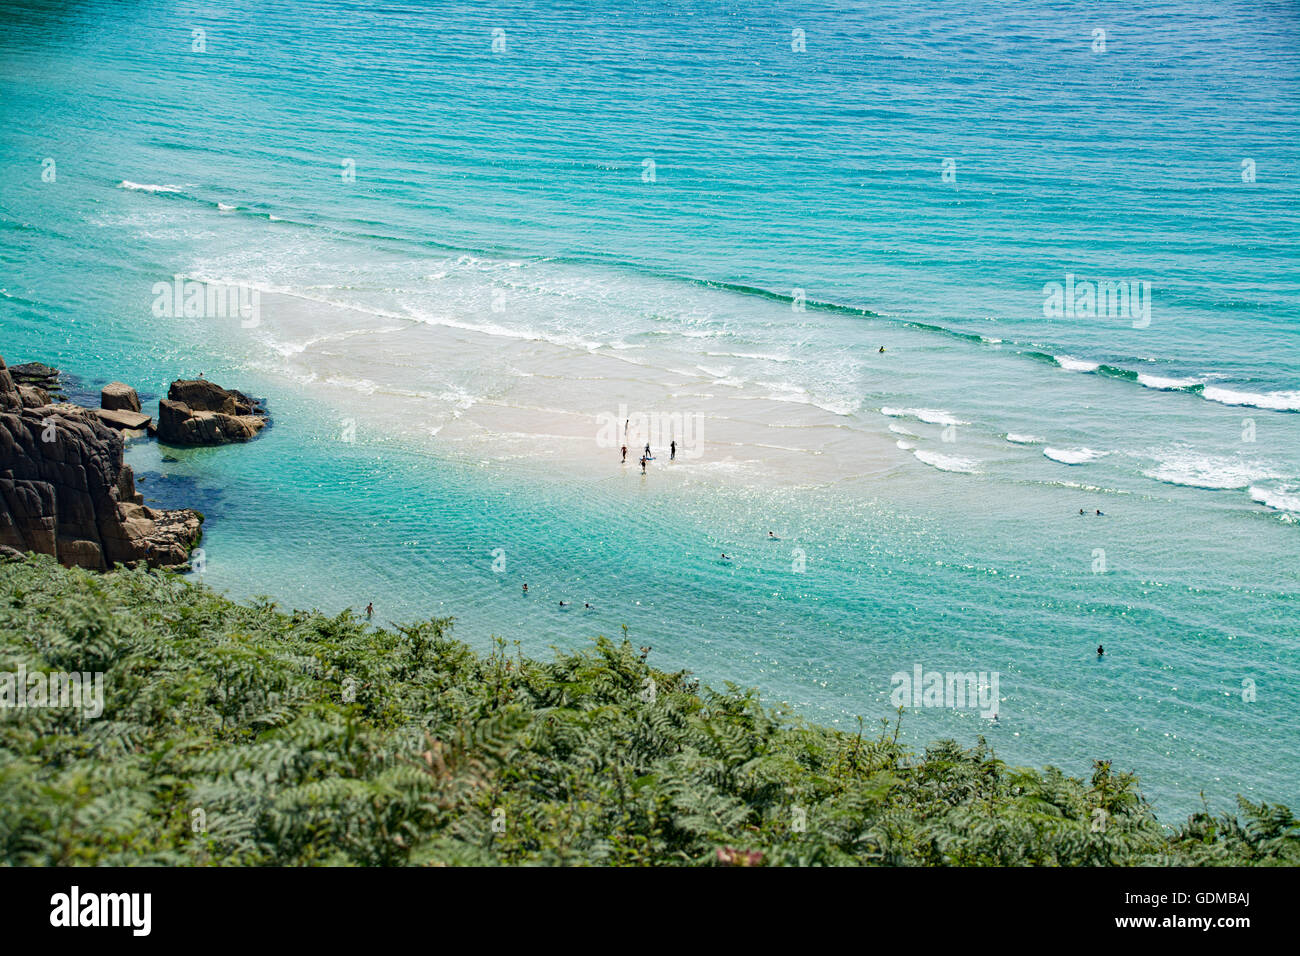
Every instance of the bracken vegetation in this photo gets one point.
(244, 735)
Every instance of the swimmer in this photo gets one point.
(1100, 650)
(771, 536)
(587, 607)
(564, 604)
(882, 348)
(525, 588)
(1099, 514)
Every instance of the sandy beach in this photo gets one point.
(476, 394)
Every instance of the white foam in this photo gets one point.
(716, 371)
(1273, 401)
(1072, 456)
(1282, 498)
(931, 416)
(761, 356)
(801, 396)
(147, 187)
(900, 430)
(1166, 384)
(1017, 439)
(946, 462)
(1076, 365)
(1183, 467)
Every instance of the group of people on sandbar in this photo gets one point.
(648, 455)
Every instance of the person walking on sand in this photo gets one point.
(625, 454)
(647, 450)
(672, 447)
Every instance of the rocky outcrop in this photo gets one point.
(119, 407)
(33, 396)
(118, 397)
(65, 491)
(199, 412)
(35, 382)
(34, 373)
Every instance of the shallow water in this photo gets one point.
(443, 339)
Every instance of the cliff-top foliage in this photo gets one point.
(242, 734)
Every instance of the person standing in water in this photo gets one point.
(370, 610)
(1100, 650)
(643, 464)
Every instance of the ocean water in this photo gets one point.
(477, 239)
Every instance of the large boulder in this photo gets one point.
(199, 412)
(65, 491)
(118, 397)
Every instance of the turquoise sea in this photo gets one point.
(477, 235)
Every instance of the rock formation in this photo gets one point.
(65, 491)
(116, 396)
(199, 412)
(35, 383)
(120, 408)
